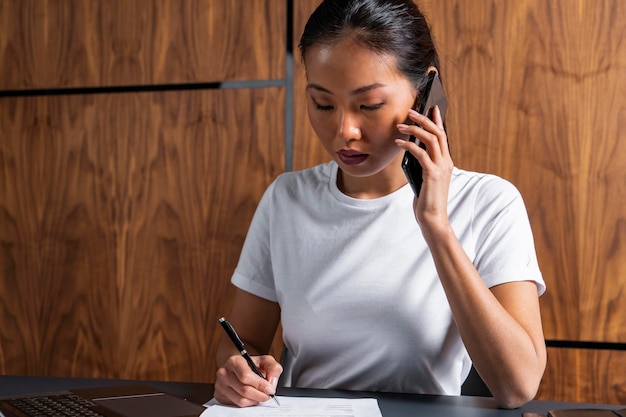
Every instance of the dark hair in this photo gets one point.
(394, 27)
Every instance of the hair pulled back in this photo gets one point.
(394, 27)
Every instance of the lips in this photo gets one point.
(351, 157)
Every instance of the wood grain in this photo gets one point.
(123, 216)
(307, 150)
(537, 97)
(54, 44)
(584, 375)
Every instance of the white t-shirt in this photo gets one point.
(362, 307)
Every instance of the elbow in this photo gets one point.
(515, 400)
(518, 388)
(516, 395)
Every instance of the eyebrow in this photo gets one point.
(354, 92)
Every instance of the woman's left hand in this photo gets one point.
(431, 208)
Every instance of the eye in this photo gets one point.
(372, 107)
(321, 107)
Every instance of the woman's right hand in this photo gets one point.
(431, 208)
(236, 384)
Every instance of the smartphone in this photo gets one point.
(433, 96)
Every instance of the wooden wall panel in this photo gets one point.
(52, 43)
(584, 375)
(307, 151)
(537, 97)
(122, 219)
(536, 91)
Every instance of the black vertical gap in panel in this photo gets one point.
(289, 122)
(290, 27)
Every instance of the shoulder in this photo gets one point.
(306, 180)
(483, 188)
(297, 187)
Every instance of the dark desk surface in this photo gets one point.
(391, 404)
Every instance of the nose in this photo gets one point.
(349, 128)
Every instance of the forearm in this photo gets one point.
(506, 347)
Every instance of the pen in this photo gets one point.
(230, 331)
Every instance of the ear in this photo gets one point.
(432, 68)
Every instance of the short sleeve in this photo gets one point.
(254, 269)
(505, 248)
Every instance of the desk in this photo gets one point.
(391, 404)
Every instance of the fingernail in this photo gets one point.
(402, 126)
(274, 382)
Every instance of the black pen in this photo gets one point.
(230, 331)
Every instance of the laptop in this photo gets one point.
(117, 401)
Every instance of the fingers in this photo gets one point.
(236, 384)
(271, 369)
(437, 166)
(430, 132)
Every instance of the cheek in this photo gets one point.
(322, 124)
(385, 128)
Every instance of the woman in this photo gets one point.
(376, 289)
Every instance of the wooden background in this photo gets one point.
(129, 174)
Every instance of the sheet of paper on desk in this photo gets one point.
(301, 406)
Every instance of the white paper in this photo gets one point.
(300, 406)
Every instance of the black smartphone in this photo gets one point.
(433, 96)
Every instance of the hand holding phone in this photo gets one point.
(433, 96)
